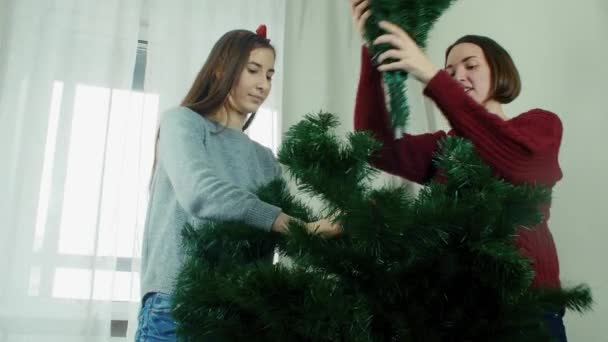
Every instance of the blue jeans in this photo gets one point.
(155, 322)
(554, 321)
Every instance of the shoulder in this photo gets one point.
(179, 114)
(266, 158)
(541, 120)
(183, 115)
(184, 118)
(540, 116)
(542, 126)
(263, 152)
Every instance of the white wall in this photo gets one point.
(4, 18)
(320, 64)
(561, 50)
(4, 13)
(5, 142)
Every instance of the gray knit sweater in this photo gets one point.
(201, 175)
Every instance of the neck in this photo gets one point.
(496, 108)
(229, 118)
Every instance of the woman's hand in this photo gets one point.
(324, 227)
(406, 54)
(359, 10)
(280, 223)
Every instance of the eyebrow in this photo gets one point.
(464, 60)
(260, 66)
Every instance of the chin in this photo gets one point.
(247, 109)
(252, 109)
(476, 98)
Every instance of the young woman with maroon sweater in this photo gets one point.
(478, 78)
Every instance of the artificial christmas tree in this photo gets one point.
(438, 267)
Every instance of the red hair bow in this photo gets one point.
(261, 31)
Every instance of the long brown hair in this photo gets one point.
(219, 75)
(506, 83)
(221, 72)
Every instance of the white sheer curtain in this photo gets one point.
(81, 86)
(70, 176)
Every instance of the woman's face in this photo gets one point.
(467, 64)
(254, 82)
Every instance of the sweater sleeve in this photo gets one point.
(523, 149)
(410, 156)
(197, 187)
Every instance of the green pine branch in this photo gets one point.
(417, 17)
(441, 266)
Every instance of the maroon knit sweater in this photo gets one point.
(521, 150)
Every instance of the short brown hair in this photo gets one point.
(506, 83)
